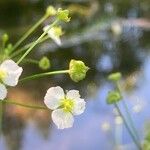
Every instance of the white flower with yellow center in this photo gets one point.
(54, 33)
(64, 106)
(9, 75)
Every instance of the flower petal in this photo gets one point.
(62, 119)
(13, 72)
(3, 92)
(52, 35)
(79, 106)
(56, 39)
(73, 94)
(53, 97)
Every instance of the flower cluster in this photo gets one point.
(65, 105)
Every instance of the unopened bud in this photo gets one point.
(113, 97)
(115, 76)
(51, 11)
(44, 63)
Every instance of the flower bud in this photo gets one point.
(113, 97)
(115, 76)
(63, 15)
(50, 11)
(5, 38)
(44, 63)
(8, 49)
(77, 70)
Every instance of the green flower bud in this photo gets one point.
(44, 63)
(113, 97)
(77, 70)
(51, 11)
(115, 76)
(63, 15)
(8, 49)
(5, 38)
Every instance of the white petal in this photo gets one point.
(56, 40)
(62, 119)
(45, 28)
(52, 35)
(53, 97)
(3, 92)
(79, 106)
(13, 72)
(73, 94)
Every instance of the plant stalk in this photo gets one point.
(37, 41)
(128, 128)
(31, 30)
(40, 75)
(24, 105)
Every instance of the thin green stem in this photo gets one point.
(37, 41)
(128, 128)
(33, 61)
(40, 75)
(24, 105)
(16, 53)
(1, 116)
(29, 32)
(128, 115)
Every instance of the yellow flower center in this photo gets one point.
(58, 31)
(2, 74)
(67, 104)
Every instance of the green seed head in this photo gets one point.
(63, 15)
(77, 70)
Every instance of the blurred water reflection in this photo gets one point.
(114, 36)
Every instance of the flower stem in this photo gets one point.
(16, 53)
(128, 115)
(1, 116)
(24, 105)
(37, 41)
(29, 32)
(32, 61)
(128, 128)
(36, 76)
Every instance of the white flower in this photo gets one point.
(54, 33)
(64, 106)
(9, 75)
